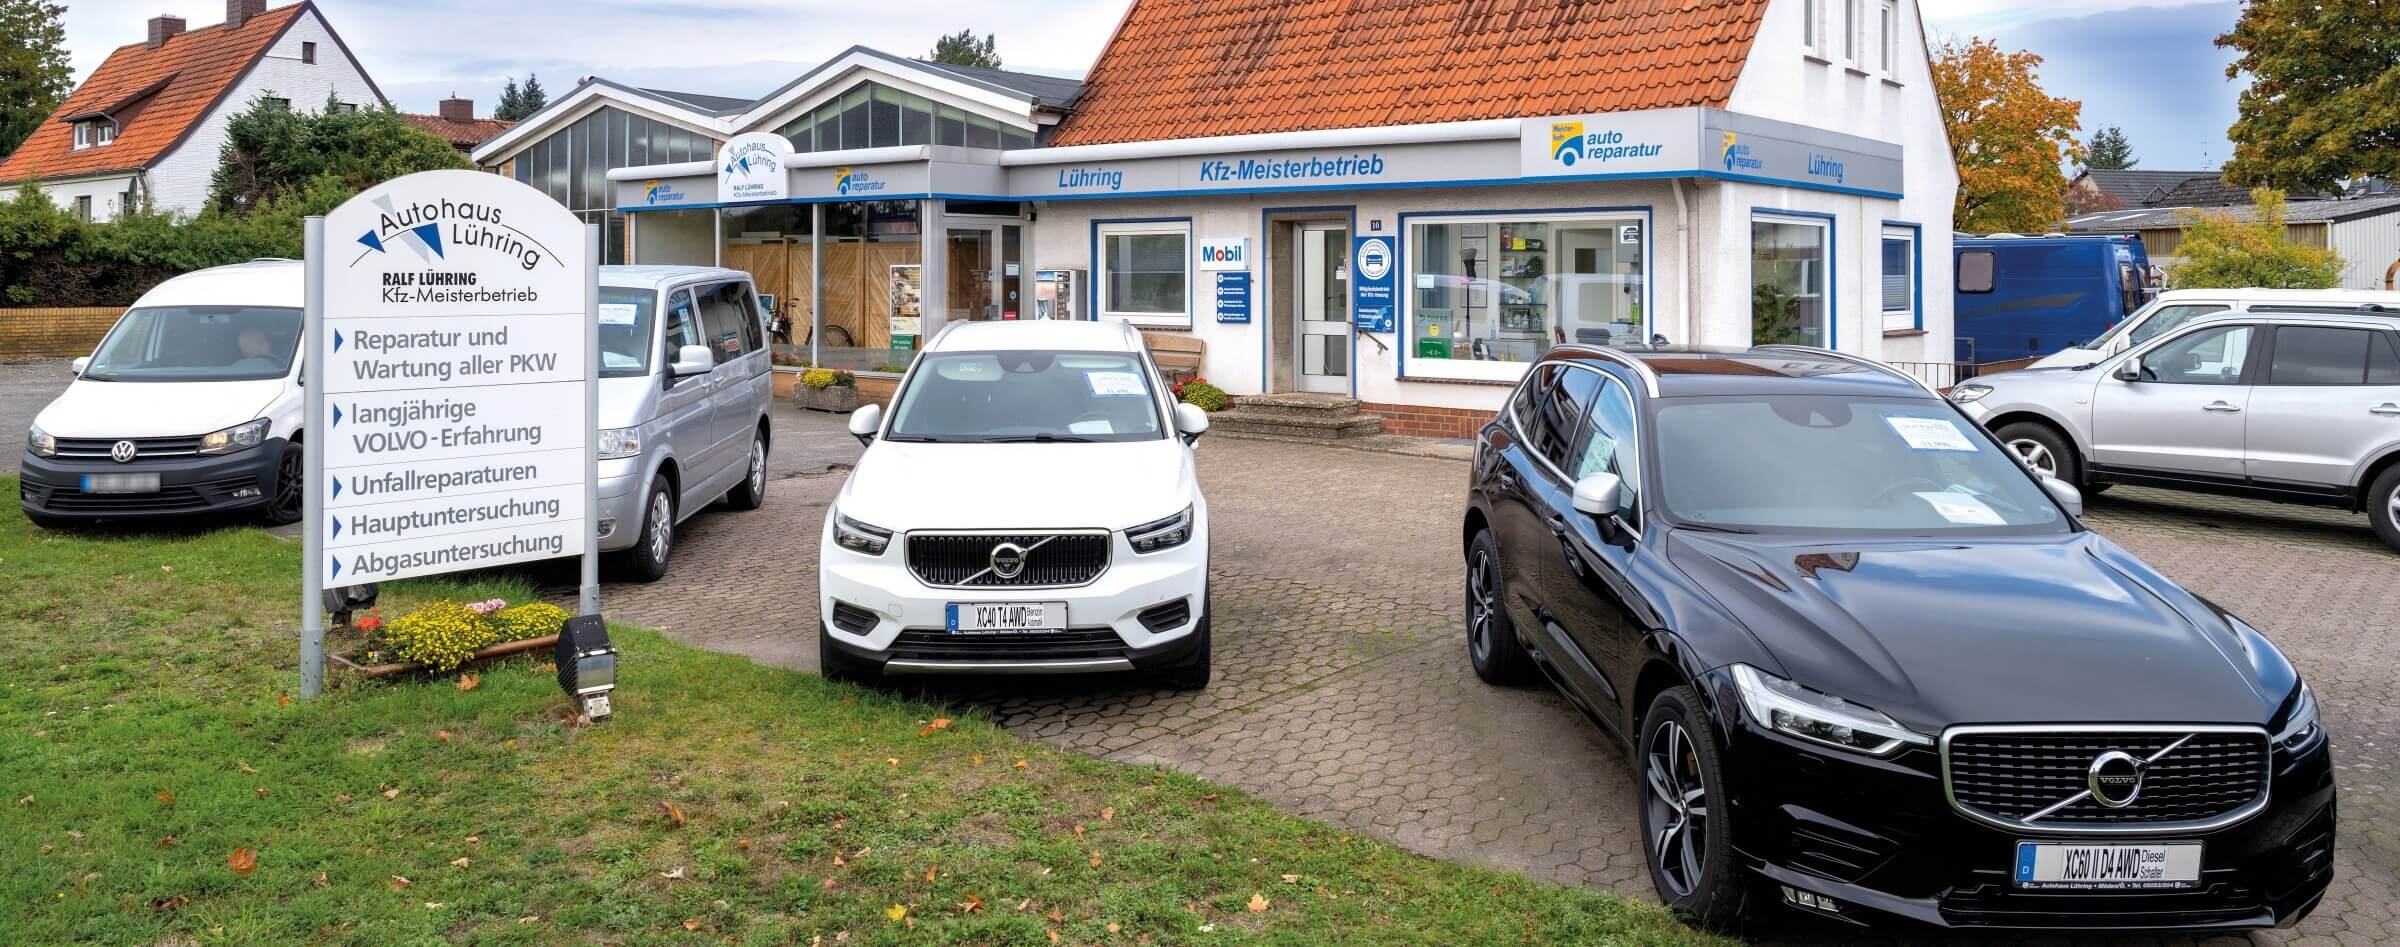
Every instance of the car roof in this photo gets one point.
(2258, 295)
(1023, 335)
(649, 276)
(2303, 314)
(268, 282)
(1707, 371)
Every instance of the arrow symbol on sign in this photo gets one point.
(337, 340)
(337, 529)
(337, 567)
(337, 488)
(337, 414)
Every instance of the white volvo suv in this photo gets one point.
(1028, 506)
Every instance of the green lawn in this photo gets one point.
(145, 738)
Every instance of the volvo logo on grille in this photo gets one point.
(2115, 778)
(1008, 560)
(121, 452)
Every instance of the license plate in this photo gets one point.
(120, 483)
(1007, 618)
(2158, 866)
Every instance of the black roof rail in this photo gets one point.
(1649, 378)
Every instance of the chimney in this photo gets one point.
(238, 12)
(458, 110)
(163, 28)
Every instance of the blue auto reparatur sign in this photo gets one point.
(1233, 296)
(1374, 284)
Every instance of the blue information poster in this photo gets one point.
(1374, 284)
(1233, 296)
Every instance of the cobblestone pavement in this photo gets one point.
(1342, 691)
(26, 387)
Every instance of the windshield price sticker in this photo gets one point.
(1962, 509)
(619, 314)
(1931, 434)
(1115, 384)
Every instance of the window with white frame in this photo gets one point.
(1854, 28)
(94, 133)
(1900, 304)
(1812, 25)
(1145, 272)
(1488, 294)
(1889, 33)
(1789, 261)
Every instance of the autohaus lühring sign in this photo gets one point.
(451, 386)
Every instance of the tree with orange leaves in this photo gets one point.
(2009, 137)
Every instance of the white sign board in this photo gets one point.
(1232, 253)
(751, 168)
(453, 375)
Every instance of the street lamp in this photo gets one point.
(587, 664)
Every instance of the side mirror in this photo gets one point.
(693, 360)
(1600, 494)
(2066, 495)
(865, 422)
(77, 366)
(2130, 370)
(1190, 421)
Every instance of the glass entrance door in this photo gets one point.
(1324, 324)
(972, 265)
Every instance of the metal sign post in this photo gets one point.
(312, 448)
(588, 599)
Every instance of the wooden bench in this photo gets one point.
(1179, 354)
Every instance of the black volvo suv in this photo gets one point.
(1869, 667)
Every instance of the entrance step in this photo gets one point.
(1307, 417)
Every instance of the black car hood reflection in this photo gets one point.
(1935, 633)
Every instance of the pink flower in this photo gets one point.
(487, 607)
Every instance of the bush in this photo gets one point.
(530, 620)
(818, 378)
(2221, 251)
(440, 635)
(1207, 397)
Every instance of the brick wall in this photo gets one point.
(38, 333)
(1416, 420)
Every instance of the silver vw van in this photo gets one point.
(685, 381)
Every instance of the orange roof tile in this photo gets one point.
(463, 135)
(184, 78)
(1195, 68)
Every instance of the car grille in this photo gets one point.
(922, 645)
(144, 448)
(174, 498)
(1051, 559)
(2005, 775)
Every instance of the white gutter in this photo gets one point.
(1483, 130)
(1683, 287)
(814, 159)
(648, 171)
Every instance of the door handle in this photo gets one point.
(1558, 524)
(2387, 409)
(2221, 407)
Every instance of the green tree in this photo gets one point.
(2223, 251)
(516, 102)
(34, 74)
(2109, 151)
(271, 151)
(2323, 104)
(963, 49)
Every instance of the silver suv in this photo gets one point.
(2297, 404)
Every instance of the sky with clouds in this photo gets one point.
(2147, 65)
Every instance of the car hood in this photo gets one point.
(904, 486)
(2068, 357)
(625, 402)
(156, 409)
(2014, 630)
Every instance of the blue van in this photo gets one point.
(2026, 297)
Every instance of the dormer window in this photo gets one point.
(94, 133)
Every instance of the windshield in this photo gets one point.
(1829, 463)
(198, 343)
(625, 340)
(990, 397)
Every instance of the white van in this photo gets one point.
(2176, 307)
(191, 404)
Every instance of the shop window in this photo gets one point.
(982, 132)
(1900, 307)
(883, 118)
(856, 126)
(1146, 272)
(1509, 289)
(949, 126)
(1789, 304)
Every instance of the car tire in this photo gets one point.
(647, 560)
(2382, 496)
(287, 493)
(1192, 674)
(835, 665)
(1683, 810)
(1492, 645)
(2044, 449)
(752, 493)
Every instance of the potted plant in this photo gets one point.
(826, 389)
(442, 635)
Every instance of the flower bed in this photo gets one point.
(441, 636)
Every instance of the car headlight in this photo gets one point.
(1793, 710)
(237, 437)
(40, 442)
(2300, 728)
(1969, 393)
(618, 443)
(1162, 534)
(859, 537)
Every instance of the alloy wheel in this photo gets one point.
(1481, 604)
(2035, 456)
(758, 468)
(289, 477)
(1677, 809)
(662, 529)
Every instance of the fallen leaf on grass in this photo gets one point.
(166, 798)
(691, 923)
(1079, 830)
(1058, 917)
(1095, 859)
(977, 759)
(741, 844)
(442, 735)
(1291, 879)
(399, 883)
(467, 682)
(433, 905)
(475, 838)
(672, 812)
(1053, 935)
(1108, 814)
(163, 905)
(896, 912)
(511, 744)
(342, 797)
(262, 792)
(242, 860)
(27, 801)
(1112, 927)
(931, 871)
(894, 760)
(674, 875)
(74, 834)
(529, 919)
(1020, 764)
(391, 794)
(837, 860)
(460, 862)
(168, 842)
(319, 880)
(1258, 902)
(829, 883)
(972, 904)
(283, 700)
(939, 723)
(246, 768)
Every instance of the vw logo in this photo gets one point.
(2115, 779)
(121, 452)
(1008, 560)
